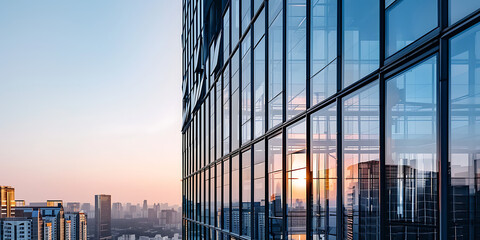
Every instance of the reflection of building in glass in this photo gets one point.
(332, 119)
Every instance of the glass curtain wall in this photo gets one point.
(411, 164)
(464, 124)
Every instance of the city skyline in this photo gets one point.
(91, 104)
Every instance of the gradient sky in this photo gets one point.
(90, 99)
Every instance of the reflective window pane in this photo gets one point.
(411, 161)
(259, 89)
(323, 34)
(246, 90)
(235, 4)
(236, 194)
(226, 194)
(323, 50)
(259, 218)
(246, 194)
(361, 168)
(408, 20)
(219, 195)
(226, 35)
(361, 34)
(296, 71)
(235, 85)
(246, 14)
(275, 70)
(459, 9)
(464, 133)
(259, 27)
(323, 138)
(296, 181)
(226, 110)
(275, 186)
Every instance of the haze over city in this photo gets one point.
(90, 100)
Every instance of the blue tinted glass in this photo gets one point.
(296, 72)
(324, 83)
(246, 14)
(408, 20)
(464, 133)
(323, 34)
(361, 166)
(226, 111)
(361, 33)
(235, 22)
(411, 146)
(256, 5)
(246, 92)
(259, 27)
(259, 89)
(226, 35)
(274, 9)
(275, 70)
(459, 9)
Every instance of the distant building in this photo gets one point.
(47, 231)
(127, 237)
(78, 225)
(72, 207)
(117, 210)
(7, 202)
(68, 229)
(54, 203)
(38, 204)
(36, 216)
(88, 210)
(16, 229)
(152, 214)
(170, 218)
(53, 215)
(19, 203)
(103, 217)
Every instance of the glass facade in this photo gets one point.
(331, 119)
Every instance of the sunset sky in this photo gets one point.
(90, 99)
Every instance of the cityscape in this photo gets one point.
(240, 120)
(56, 220)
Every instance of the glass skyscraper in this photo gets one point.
(331, 119)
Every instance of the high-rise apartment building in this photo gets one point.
(42, 215)
(78, 224)
(7, 202)
(332, 119)
(72, 207)
(103, 216)
(16, 229)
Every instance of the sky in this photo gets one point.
(90, 99)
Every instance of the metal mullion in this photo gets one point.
(284, 182)
(284, 61)
(240, 194)
(383, 203)
(442, 139)
(252, 190)
(339, 170)
(309, 182)
(267, 202)
(339, 222)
